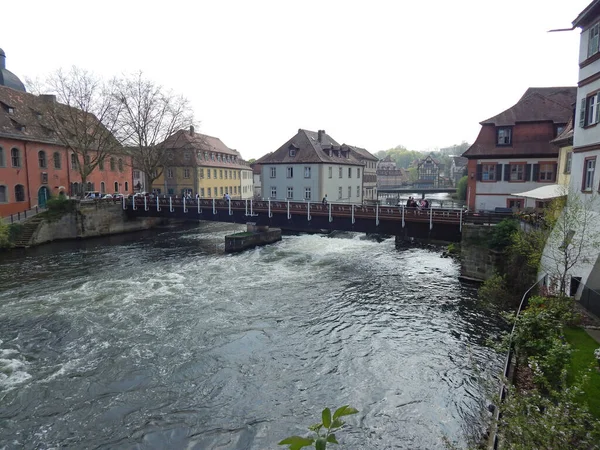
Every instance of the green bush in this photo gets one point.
(502, 235)
(494, 292)
(4, 235)
(461, 188)
(58, 207)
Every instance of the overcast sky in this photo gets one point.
(372, 73)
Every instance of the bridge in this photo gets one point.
(432, 223)
(413, 189)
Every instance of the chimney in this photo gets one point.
(321, 134)
(191, 130)
(49, 98)
(2, 59)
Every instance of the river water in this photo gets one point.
(159, 340)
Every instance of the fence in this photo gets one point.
(23, 215)
(508, 367)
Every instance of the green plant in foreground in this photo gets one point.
(325, 430)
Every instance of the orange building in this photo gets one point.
(33, 163)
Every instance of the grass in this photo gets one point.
(581, 361)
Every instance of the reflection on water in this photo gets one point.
(159, 340)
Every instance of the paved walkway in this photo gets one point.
(595, 333)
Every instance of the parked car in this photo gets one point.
(117, 195)
(107, 196)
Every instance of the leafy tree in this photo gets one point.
(150, 115)
(324, 430)
(83, 118)
(4, 235)
(461, 188)
(502, 234)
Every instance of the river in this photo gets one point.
(159, 340)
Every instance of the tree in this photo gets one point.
(83, 116)
(150, 116)
(573, 237)
(461, 188)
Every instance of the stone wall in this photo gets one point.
(242, 241)
(91, 220)
(478, 262)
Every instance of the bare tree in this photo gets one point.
(83, 115)
(150, 116)
(573, 236)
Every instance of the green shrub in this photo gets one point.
(494, 291)
(58, 207)
(461, 188)
(14, 231)
(4, 235)
(502, 235)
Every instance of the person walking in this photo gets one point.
(325, 200)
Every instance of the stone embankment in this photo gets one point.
(254, 236)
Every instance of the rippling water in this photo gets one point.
(159, 340)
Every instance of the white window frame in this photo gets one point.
(273, 172)
(290, 192)
(340, 173)
(330, 172)
(273, 192)
(339, 193)
(307, 193)
(306, 171)
(290, 172)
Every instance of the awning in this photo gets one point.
(547, 192)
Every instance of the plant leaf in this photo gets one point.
(337, 423)
(316, 427)
(321, 444)
(331, 438)
(297, 442)
(344, 411)
(326, 415)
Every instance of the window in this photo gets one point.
(339, 192)
(87, 160)
(225, 174)
(202, 192)
(235, 177)
(186, 173)
(221, 190)
(290, 172)
(42, 159)
(292, 152)
(230, 174)
(169, 173)
(515, 203)
(504, 135)
(136, 174)
(589, 113)
(349, 191)
(112, 164)
(186, 156)
(330, 171)
(209, 194)
(517, 172)
(2, 161)
(102, 187)
(120, 163)
(488, 172)
(559, 130)
(589, 167)
(3, 194)
(307, 195)
(16, 157)
(546, 172)
(101, 164)
(221, 174)
(126, 186)
(307, 172)
(358, 172)
(568, 162)
(116, 186)
(273, 191)
(212, 156)
(593, 40)
(340, 173)
(290, 192)
(358, 191)
(45, 178)
(19, 193)
(273, 172)
(215, 174)
(201, 173)
(208, 173)
(219, 157)
(349, 172)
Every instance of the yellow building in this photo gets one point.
(202, 165)
(564, 142)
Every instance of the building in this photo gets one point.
(257, 178)
(513, 152)
(203, 165)
(428, 173)
(310, 166)
(34, 164)
(369, 173)
(458, 169)
(389, 176)
(564, 142)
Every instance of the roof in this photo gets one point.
(546, 192)
(312, 148)
(590, 13)
(566, 137)
(539, 105)
(363, 153)
(7, 78)
(460, 161)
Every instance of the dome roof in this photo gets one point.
(7, 78)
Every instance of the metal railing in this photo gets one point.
(508, 367)
(23, 215)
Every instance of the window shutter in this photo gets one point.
(499, 172)
(527, 172)
(582, 113)
(536, 172)
(506, 172)
(554, 171)
(597, 115)
(479, 170)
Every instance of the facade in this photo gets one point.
(458, 169)
(257, 179)
(390, 176)
(310, 166)
(513, 152)
(564, 142)
(203, 165)
(369, 173)
(34, 165)
(428, 173)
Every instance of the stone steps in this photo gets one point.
(29, 228)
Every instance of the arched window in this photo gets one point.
(3, 194)
(116, 187)
(19, 193)
(2, 160)
(102, 187)
(87, 160)
(75, 188)
(74, 161)
(15, 155)
(126, 186)
(90, 186)
(120, 165)
(101, 164)
(42, 159)
(112, 164)
(57, 162)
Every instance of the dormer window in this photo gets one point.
(9, 109)
(559, 130)
(504, 136)
(292, 152)
(186, 156)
